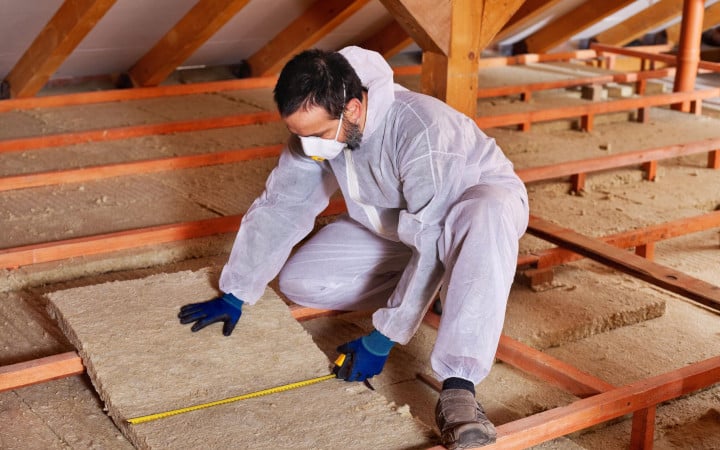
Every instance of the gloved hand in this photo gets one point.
(227, 308)
(364, 357)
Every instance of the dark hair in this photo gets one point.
(316, 78)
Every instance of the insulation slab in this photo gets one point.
(142, 361)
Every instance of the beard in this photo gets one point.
(353, 135)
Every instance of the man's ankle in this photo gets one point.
(459, 383)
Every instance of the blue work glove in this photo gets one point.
(363, 357)
(227, 308)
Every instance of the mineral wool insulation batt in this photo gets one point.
(142, 361)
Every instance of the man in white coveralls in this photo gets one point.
(433, 204)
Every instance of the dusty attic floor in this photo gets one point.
(609, 324)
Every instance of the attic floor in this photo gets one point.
(609, 324)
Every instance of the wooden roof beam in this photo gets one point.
(315, 23)
(452, 76)
(189, 34)
(389, 41)
(641, 23)
(571, 23)
(427, 22)
(528, 12)
(51, 47)
(710, 19)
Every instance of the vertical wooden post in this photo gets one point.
(643, 429)
(650, 169)
(464, 55)
(578, 181)
(714, 159)
(688, 56)
(647, 251)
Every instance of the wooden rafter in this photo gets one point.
(641, 23)
(191, 32)
(710, 19)
(528, 12)
(65, 30)
(427, 22)
(569, 24)
(390, 41)
(314, 24)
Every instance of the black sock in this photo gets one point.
(459, 383)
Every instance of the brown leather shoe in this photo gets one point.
(462, 421)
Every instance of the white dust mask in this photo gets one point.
(321, 149)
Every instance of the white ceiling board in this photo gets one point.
(369, 20)
(132, 27)
(123, 36)
(20, 22)
(255, 25)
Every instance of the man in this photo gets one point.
(433, 205)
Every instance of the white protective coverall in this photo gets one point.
(431, 201)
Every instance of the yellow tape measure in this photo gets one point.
(274, 390)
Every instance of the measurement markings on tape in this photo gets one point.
(286, 387)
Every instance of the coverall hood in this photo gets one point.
(377, 76)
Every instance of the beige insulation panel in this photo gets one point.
(142, 361)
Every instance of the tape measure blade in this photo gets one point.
(174, 412)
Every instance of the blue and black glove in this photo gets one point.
(363, 358)
(227, 308)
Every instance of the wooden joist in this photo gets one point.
(630, 158)
(120, 95)
(541, 365)
(665, 58)
(527, 89)
(90, 173)
(633, 238)
(122, 240)
(642, 394)
(664, 277)
(40, 370)
(113, 134)
(588, 110)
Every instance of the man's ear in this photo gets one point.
(353, 109)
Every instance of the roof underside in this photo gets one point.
(116, 35)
